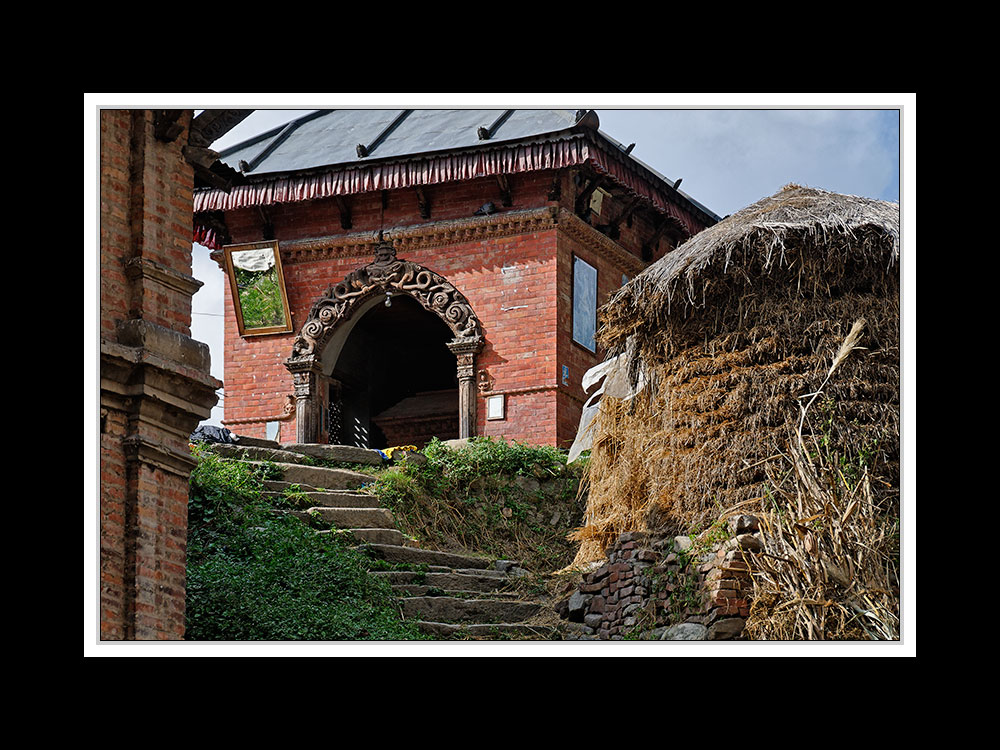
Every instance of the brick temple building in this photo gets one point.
(426, 272)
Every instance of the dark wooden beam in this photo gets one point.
(629, 212)
(267, 228)
(212, 124)
(613, 228)
(504, 184)
(555, 191)
(212, 178)
(422, 203)
(345, 212)
(649, 246)
(165, 125)
(200, 156)
(582, 205)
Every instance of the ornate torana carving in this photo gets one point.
(387, 274)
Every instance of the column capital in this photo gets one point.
(471, 345)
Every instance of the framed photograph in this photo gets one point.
(257, 285)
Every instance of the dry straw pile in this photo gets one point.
(771, 345)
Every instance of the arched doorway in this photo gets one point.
(394, 382)
(371, 373)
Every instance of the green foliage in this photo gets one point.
(257, 574)
(484, 456)
(487, 498)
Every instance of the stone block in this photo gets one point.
(685, 631)
(726, 629)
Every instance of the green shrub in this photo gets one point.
(256, 574)
(485, 456)
(485, 498)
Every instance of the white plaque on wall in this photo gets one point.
(495, 407)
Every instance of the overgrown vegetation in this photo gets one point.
(501, 499)
(254, 574)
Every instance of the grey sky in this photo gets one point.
(728, 158)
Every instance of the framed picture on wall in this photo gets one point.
(257, 286)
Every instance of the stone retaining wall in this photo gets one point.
(667, 588)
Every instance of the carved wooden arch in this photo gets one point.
(385, 275)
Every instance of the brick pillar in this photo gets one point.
(155, 380)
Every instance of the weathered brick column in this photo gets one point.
(155, 379)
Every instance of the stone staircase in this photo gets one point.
(448, 595)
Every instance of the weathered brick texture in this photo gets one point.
(155, 385)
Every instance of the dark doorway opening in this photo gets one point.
(395, 382)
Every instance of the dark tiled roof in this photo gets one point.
(395, 148)
(328, 137)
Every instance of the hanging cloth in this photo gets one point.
(614, 373)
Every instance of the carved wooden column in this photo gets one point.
(306, 378)
(465, 351)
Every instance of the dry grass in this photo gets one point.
(766, 386)
(830, 567)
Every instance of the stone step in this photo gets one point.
(333, 499)
(343, 453)
(297, 453)
(257, 453)
(418, 590)
(244, 441)
(452, 609)
(478, 581)
(490, 631)
(319, 476)
(415, 556)
(372, 536)
(277, 486)
(356, 518)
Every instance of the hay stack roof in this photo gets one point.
(760, 237)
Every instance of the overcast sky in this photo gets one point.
(728, 155)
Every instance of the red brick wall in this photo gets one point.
(115, 230)
(155, 381)
(115, 238)
(575, 356)
(519, 286)
(145, 210)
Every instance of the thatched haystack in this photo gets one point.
(736, 332)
